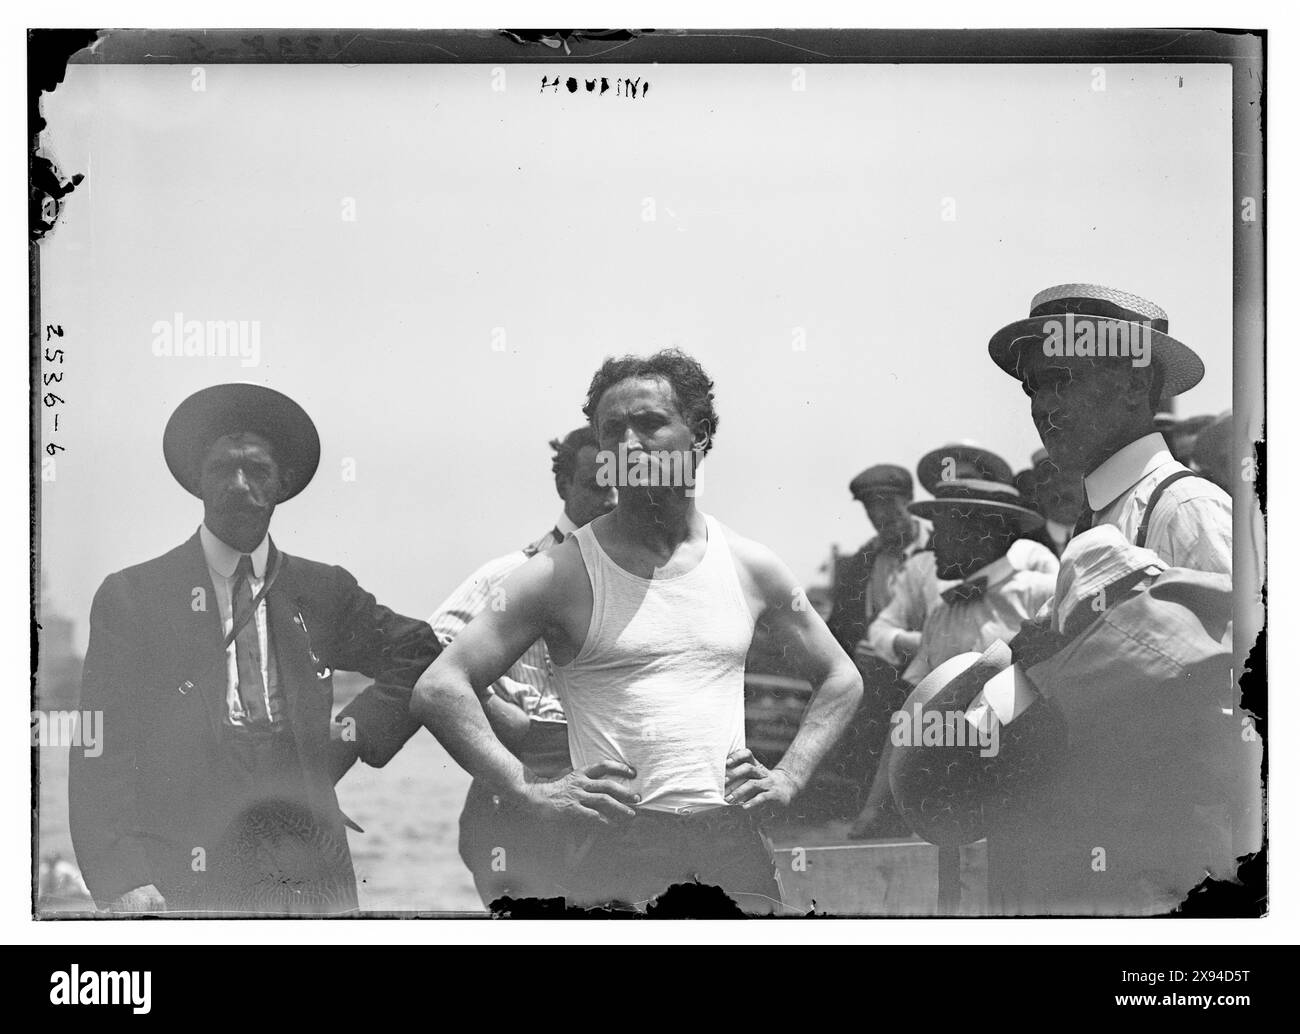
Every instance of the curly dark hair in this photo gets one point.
(565, 460)
(692, 387)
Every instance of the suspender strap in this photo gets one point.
(238, 621)
(1141, 540)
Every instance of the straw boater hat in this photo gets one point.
(224, 409)
(944, 791)
(963, 496)
(935, 805)
(1016, 346)
(961, 460)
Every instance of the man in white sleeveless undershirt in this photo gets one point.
(648, 613)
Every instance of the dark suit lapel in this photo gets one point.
(195, 617)
(290, 641)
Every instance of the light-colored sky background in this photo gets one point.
(777, 211)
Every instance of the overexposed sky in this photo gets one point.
(518, 217)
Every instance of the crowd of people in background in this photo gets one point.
(591, 681)
(905, 581)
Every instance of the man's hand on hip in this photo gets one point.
(752, 784)
(596, 795)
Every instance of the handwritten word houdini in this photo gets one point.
(622, 87)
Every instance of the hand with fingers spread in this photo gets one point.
(597, 795)
(751, 784)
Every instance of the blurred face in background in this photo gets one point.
(967, 538)
(584, 497)
(887, 512)
(1060, 497)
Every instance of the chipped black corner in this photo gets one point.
(48, 51)
(1246, 897)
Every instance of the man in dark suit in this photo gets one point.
(211, 665)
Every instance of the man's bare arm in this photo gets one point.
(446, 701)
(837, 685)
(509, 721)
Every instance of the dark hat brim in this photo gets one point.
(224, 409)
(930, 471)
(1181, 367)
(1028, 519)
(882, 492)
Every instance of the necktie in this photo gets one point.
(966, 591)
(248, 651)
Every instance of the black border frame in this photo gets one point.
(1245, 50)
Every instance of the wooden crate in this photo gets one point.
(823, 873)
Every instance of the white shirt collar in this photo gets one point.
(1125, 469)
(565, 526)
(924, 529)
(224, 558)
(1059, 532)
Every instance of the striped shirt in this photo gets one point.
(1192, 525)
(529, 683)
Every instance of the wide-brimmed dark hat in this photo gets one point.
(1018, 346)
(961, 460)
(962, 497)
(882, 479)
(224, 409)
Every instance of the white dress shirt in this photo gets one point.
(1192, 525)
(1018, 585)
(529, 683)
(887, 568)
(916, 592)
(222, 560)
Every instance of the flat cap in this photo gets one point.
(883, 477)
